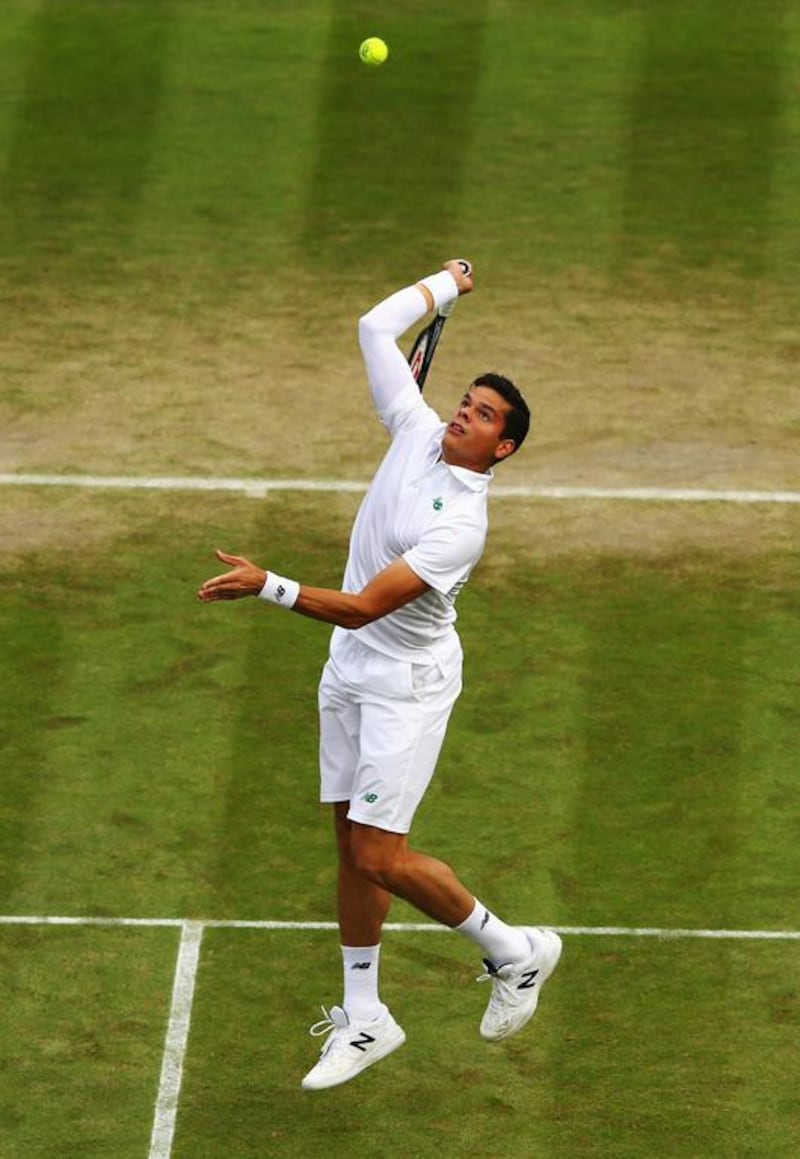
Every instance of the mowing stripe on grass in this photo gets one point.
(79, 156)
(258, 488)
(385, 137)
(705, 132)
(199, 925)
(176, 1039)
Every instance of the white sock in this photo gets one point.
(360, 966)
(500, 943)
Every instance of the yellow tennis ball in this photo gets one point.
(374, 50)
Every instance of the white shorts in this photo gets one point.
(382, 724)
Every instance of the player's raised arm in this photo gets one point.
(378, 331)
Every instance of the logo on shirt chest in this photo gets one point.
(438, 503)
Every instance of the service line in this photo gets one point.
(258, 488)
(199, 924)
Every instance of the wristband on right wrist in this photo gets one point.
(442, 287)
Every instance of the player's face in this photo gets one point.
(474, 435)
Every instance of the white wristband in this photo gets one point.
(442, 287)
(279, 590)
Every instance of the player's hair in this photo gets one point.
(518, 419)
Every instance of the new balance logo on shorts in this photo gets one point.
(362, 1042)
(528, 980)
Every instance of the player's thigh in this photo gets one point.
(339, 728)
(399, 745)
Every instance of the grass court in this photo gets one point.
(197, 200)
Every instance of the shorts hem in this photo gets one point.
(377, 823)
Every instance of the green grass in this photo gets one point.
(244, 139)
(634, 764)
(196, 201)
(83, 1028)
(615, 1066)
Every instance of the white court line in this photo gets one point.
(78, 920)
(258, 488)
(667, 932)
(175, 1044)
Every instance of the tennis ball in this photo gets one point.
(374, 51)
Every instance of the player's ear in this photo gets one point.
(503, 449)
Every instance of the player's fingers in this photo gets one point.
(212, 584)
(229, 579)
(218, 589)
(461, 269)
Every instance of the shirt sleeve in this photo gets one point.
(446, 554)
(393, 387)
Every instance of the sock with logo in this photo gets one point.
(500, 943)
(360, 964)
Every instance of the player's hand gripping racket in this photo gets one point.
(425, 343)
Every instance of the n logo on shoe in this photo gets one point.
(528, 980)
(362, 1042)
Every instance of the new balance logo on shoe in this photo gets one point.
(360, 965)
(362, 1042)
(349, 1048)
(528, 980)
(516, 988)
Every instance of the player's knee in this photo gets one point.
(371, 860)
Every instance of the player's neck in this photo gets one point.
(455, 460)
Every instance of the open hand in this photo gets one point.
(245, 579)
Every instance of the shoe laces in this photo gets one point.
(335, 1019)
(491, 970)
(501, 990)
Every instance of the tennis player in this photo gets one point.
(393, 675)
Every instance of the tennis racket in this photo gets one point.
(426, 341)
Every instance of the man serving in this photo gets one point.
(393, 675)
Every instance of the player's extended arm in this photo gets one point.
(392, 588)
(387, 367)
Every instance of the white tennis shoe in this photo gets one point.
(516, 986)
(351, 1046)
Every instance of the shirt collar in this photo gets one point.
(474, 480)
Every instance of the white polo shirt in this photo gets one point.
(417, 508)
